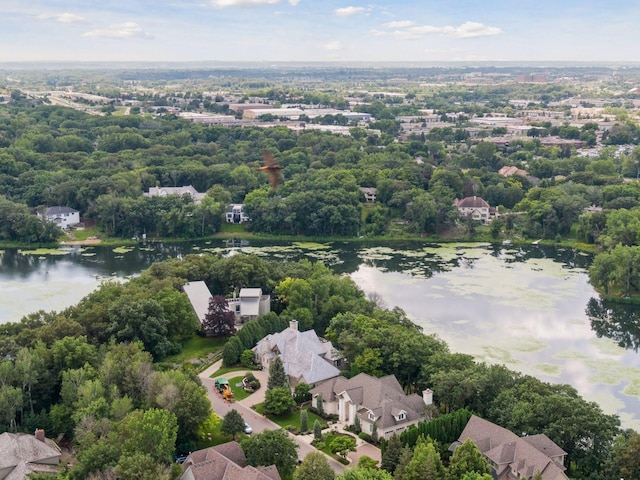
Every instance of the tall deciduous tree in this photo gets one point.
(425, 463)
(232, 423)
(272, 447)
(467, 458)
(314, 467)
(219, 321)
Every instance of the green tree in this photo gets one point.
(152, 432)
(342, 445)
(317, 430)
(364, 473)
(314, 467)
(232, 423)
(277, 375)
(391, 455)
(302, 392)
(278, 401)
(425, 463)
(467, 458)
(271, 447)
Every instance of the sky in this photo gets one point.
(320, 30)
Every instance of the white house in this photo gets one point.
(373, 400)
(306, 357)
(179, 191)
(248, 306)
(63, 217)
(476, 208)
(236, 214)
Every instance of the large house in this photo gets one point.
(22, 454)
(63, 217)
(306, 357)
(476, 208)
(179, 191)
(512, 457)
(226, 461)
(373, 400)
(249, 305)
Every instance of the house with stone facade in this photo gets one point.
(373, 400)
(305, 356)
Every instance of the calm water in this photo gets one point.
(525, 308)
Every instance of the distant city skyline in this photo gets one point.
(320, 31)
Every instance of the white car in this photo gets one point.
(247, 429)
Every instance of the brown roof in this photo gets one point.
(506, 451)
(224, 462)
(472, 202)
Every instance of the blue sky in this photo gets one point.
(320, 30)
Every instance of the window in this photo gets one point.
(371, 416)
(401, 416)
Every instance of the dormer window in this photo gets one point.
(402, 416)
(371, 416)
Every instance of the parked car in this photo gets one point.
(247, 428)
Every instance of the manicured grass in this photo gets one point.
(232, 228)
(84, 233)
(238, 392)
(293, 419)
(224, 370)
(197, 347)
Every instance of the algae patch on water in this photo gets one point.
(47, 251)
(311, 245)
(548, 369)
(123, 249)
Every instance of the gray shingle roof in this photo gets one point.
(21, 454)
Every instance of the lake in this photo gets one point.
(522, 307)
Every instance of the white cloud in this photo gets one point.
(120, 30)
(63, 17)
(399, 24)
(333, 46)
(377, 33)
(248, 3)
(465, 30)
(475, 29)
(348, 11)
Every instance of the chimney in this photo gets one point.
(40, 434)
(427, 396)
(293, 324)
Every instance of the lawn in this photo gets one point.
(197, 347)
(224, 370)
(293, 419)
(238, 392)
(325, 446)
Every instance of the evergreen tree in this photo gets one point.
(319, 406)
(317, 430)
(356, 424)
(374, 431)
(391, 455)
(304, 421)
(277, 375)
(314, 467)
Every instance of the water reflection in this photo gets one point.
(617, 321)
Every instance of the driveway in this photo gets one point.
(257, 422)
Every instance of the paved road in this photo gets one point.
(257, 422)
